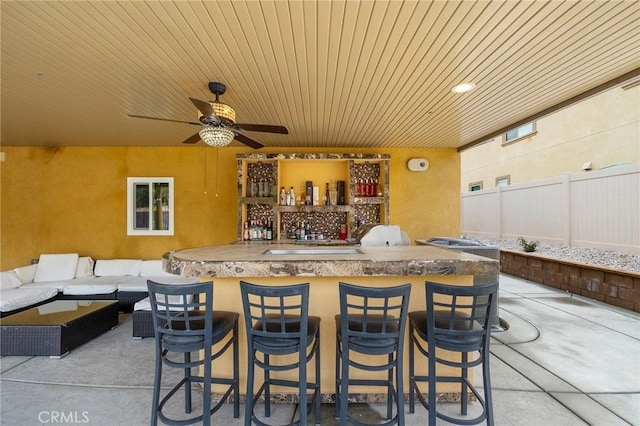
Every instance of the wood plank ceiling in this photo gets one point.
(343, 73)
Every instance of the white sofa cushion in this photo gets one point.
(87, 289)
(9, 279)
(114, 280)
(85, 267)
(114, 267)
(17, 298)
(58, 285)
(56, 267)
(153, 268)
(26, 273)
(139, 284)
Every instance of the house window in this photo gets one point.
(520, 132)
(475, 186)
(149, 206)
(503, 180)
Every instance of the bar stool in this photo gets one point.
(278, 323)
(184, 322)
(371, 322)
(457, 319)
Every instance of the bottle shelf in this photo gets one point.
(306, 208)
(368, 200)
(324, 170)
(258, 200)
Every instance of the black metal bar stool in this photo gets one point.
(278, 323)
(184, 322)
(457, 319)
(371, 322)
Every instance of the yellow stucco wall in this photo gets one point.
(603, 129)
(73, 199)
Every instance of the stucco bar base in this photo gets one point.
(376, 267)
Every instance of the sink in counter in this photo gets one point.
(321, 242)
(314, 251)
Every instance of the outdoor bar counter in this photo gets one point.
(323, 267)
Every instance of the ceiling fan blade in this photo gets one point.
(193, 139)
(248, 141)
(267, 128)
(203, 107)
(165, 119)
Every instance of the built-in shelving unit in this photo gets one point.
(262, 176)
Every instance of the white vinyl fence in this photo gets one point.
(599, 209)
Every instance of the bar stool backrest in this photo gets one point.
(372, 312)
(276, 310)
(182, 310)
(460, 315)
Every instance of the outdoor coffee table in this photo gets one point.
(56, 327)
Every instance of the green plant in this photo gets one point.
(528, 246)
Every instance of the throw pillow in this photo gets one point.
(56, 267)
(8, 280)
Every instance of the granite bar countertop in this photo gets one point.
(254, 260)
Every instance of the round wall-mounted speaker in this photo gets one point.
(418, 165)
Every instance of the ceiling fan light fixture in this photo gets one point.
(217, 136)
(224, 111)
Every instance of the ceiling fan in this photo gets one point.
(219, 123)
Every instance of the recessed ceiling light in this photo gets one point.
(464, 87)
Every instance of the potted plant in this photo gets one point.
(528, 246)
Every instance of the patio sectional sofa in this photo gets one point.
(70, 276)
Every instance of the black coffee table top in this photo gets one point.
(55, 313)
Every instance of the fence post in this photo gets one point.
(499, 209)
(566, 209)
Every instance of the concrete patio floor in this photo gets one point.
(565, 360)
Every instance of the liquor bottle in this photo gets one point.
(326, 194)
(270, 231)
(308, 193)
(245, 233)
(267, 188)
(333, 193)
(283, 197)
(256, 231)
(292, 197)
(303, 198)
(260, 188)
(273, 189)
(343, 231)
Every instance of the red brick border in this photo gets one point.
(618, 288)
